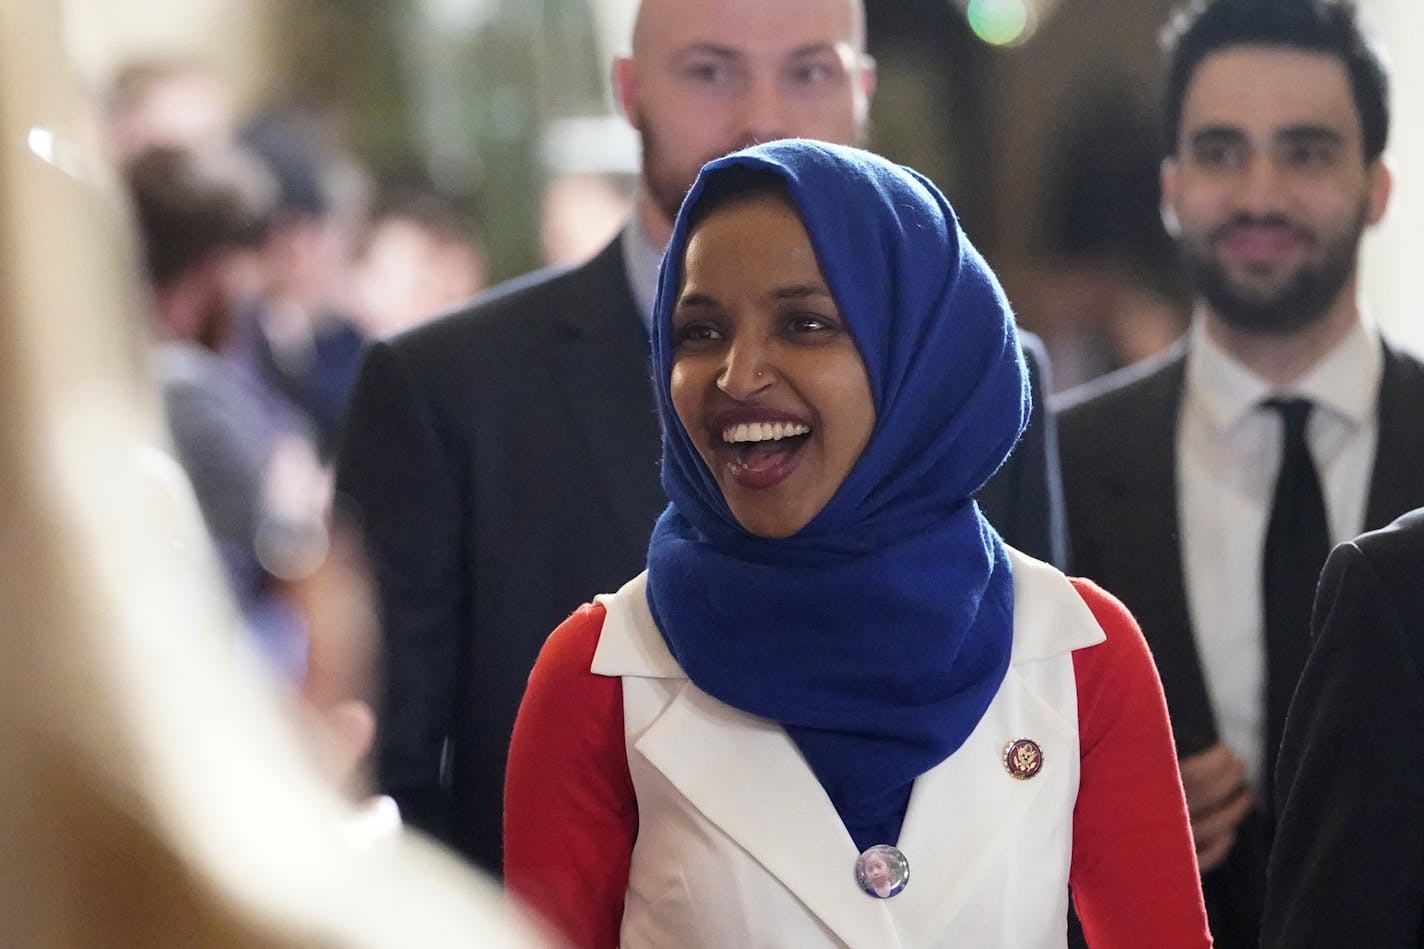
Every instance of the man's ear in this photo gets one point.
(868, 77)
(1167, 176)
(625, 89)
(1381, 186)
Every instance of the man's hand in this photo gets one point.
(1217, 800)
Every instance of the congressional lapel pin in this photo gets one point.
(1023, 758)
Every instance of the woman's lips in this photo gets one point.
(759, 469)
(761, 464)
(758, 448)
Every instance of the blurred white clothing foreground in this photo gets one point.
(153, 792)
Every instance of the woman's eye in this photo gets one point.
(809, 323)
(695, 333)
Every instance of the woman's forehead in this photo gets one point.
(743, 226)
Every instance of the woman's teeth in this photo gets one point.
(762, 432)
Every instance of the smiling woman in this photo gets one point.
(835, 684)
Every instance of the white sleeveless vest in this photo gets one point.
(739, 846)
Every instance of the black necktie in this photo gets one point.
(1297, 542)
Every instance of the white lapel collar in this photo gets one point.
(1050, 618)
(745, 775)
(630, 643)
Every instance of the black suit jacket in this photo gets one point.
(1348, 864)
(503, 461)
(1118, 438)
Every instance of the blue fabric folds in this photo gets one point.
(880, 632)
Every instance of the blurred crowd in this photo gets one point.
(273, 256)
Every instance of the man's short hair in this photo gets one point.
(190, 204)
(1201, 27)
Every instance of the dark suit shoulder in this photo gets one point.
(1397, 482)
(1035, 352)
(1401, 389)
(1393, 560)
(502, 349)
(1400, 545)
(1107, 413)
(1116, 392)
(1406, 365)
(593, 297)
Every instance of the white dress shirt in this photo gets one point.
(1228, 454)
(641, 259)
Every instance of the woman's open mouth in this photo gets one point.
(762, 454)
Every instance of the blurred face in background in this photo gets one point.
(408, 272)
(710, 76)
(1269, 189)
(168, 104)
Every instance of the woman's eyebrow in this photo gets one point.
(695, 298)
(800, 291)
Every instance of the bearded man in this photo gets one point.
(1205, 488)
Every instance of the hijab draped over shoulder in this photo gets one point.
(879, 633)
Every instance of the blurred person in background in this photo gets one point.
(153, 791)
(302, 589)
(167, 102)
(421, 255)
(503, 460)
(299, 334)
(200, 216)
(579, 214)
(1206, 486)
(1108, 291)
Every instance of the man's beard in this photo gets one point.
(668, 185)
(1286, 307)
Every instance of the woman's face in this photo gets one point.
(877, 871)
(765, 376)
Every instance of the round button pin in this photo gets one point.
(1023, 758)
(882, 871)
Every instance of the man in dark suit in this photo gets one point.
(504, 459)
(1348, 863)
(1276, 116)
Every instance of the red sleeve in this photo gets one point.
(570, 816)
(1134, 871)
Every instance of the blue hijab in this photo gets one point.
(879, 633)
